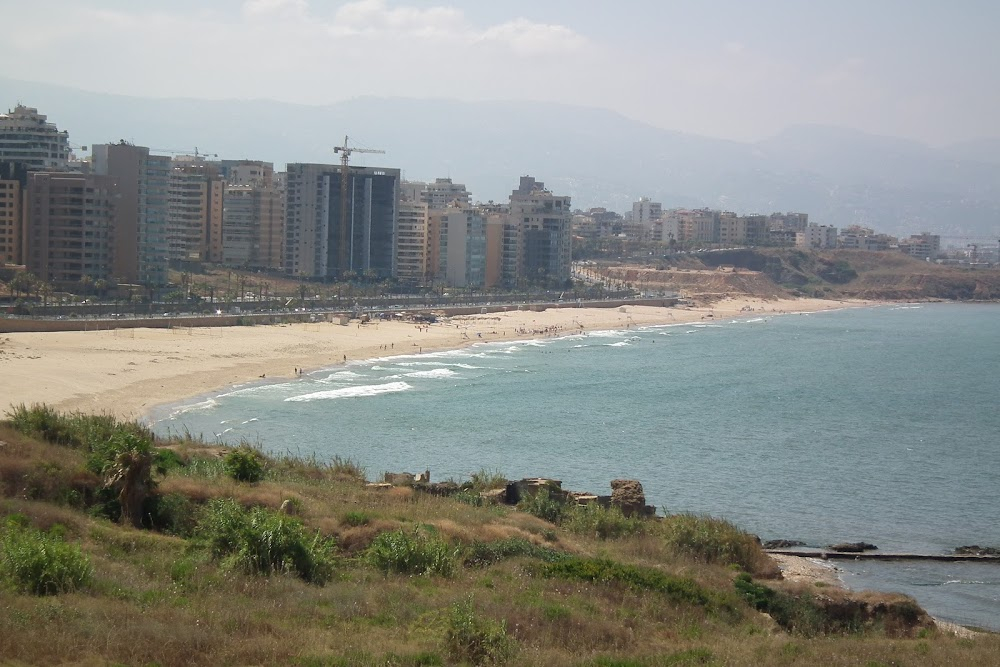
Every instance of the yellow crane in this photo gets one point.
(345, 154)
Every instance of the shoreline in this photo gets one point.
(818, 573)
(132, 372)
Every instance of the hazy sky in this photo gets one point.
(739, 69)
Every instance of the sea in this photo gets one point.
(876, 424)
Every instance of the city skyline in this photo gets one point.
(721, 69)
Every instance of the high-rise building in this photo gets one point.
(154, 249)
(140, 247)
(194, 217)
(412, 243)
(318, 220)
(538, 235)
(69, 230)
(442, 193)
(438, 195)
(27, 137)
(496, 216)
(462, 239)
(252, 216)
(13, 187)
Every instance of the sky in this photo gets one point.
(735, 69)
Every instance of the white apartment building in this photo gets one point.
(412, 242)
(27, 137)
(646, 213)
(816, 236)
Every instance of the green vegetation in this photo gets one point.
(244, 464)
(221, 571)
(412, 552)
(677, 589)
(475, 639)
(40, 563)
(260, 541)
(605, 523)
(716, 541)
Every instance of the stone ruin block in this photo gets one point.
(628, 496)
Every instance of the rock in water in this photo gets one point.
(783, 544)
(852, 547)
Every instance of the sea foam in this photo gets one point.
(351, 392)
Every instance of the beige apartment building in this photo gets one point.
(194, 218)
(412, 242)
(252, 216)
(538, 235)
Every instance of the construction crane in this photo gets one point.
(197, 155)
(345, 154)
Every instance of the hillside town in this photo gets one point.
(126, 214)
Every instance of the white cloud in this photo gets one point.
(375, 18)
(528, 38)
(271, 9)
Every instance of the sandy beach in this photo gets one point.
(127, 372)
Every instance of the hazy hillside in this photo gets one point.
(598, 157)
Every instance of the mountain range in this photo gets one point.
(598, 157)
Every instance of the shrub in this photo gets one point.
(173, 513)
(544, 505)
(482, 554)
(710, 540)
(412, 553)
(260, 541)
(484, 480)
(348, 468)
(40, 563)
(478, 640)
(75, 429)
(244, 464)
(355, 519)
(603, 522)
(791, 613)
(596, 570)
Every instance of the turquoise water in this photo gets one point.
(877, 424)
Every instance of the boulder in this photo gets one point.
(783, 544)
(627, 495)
(852, 547)
(976, 550)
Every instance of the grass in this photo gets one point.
(217, 575)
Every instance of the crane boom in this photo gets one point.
(344, 263)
